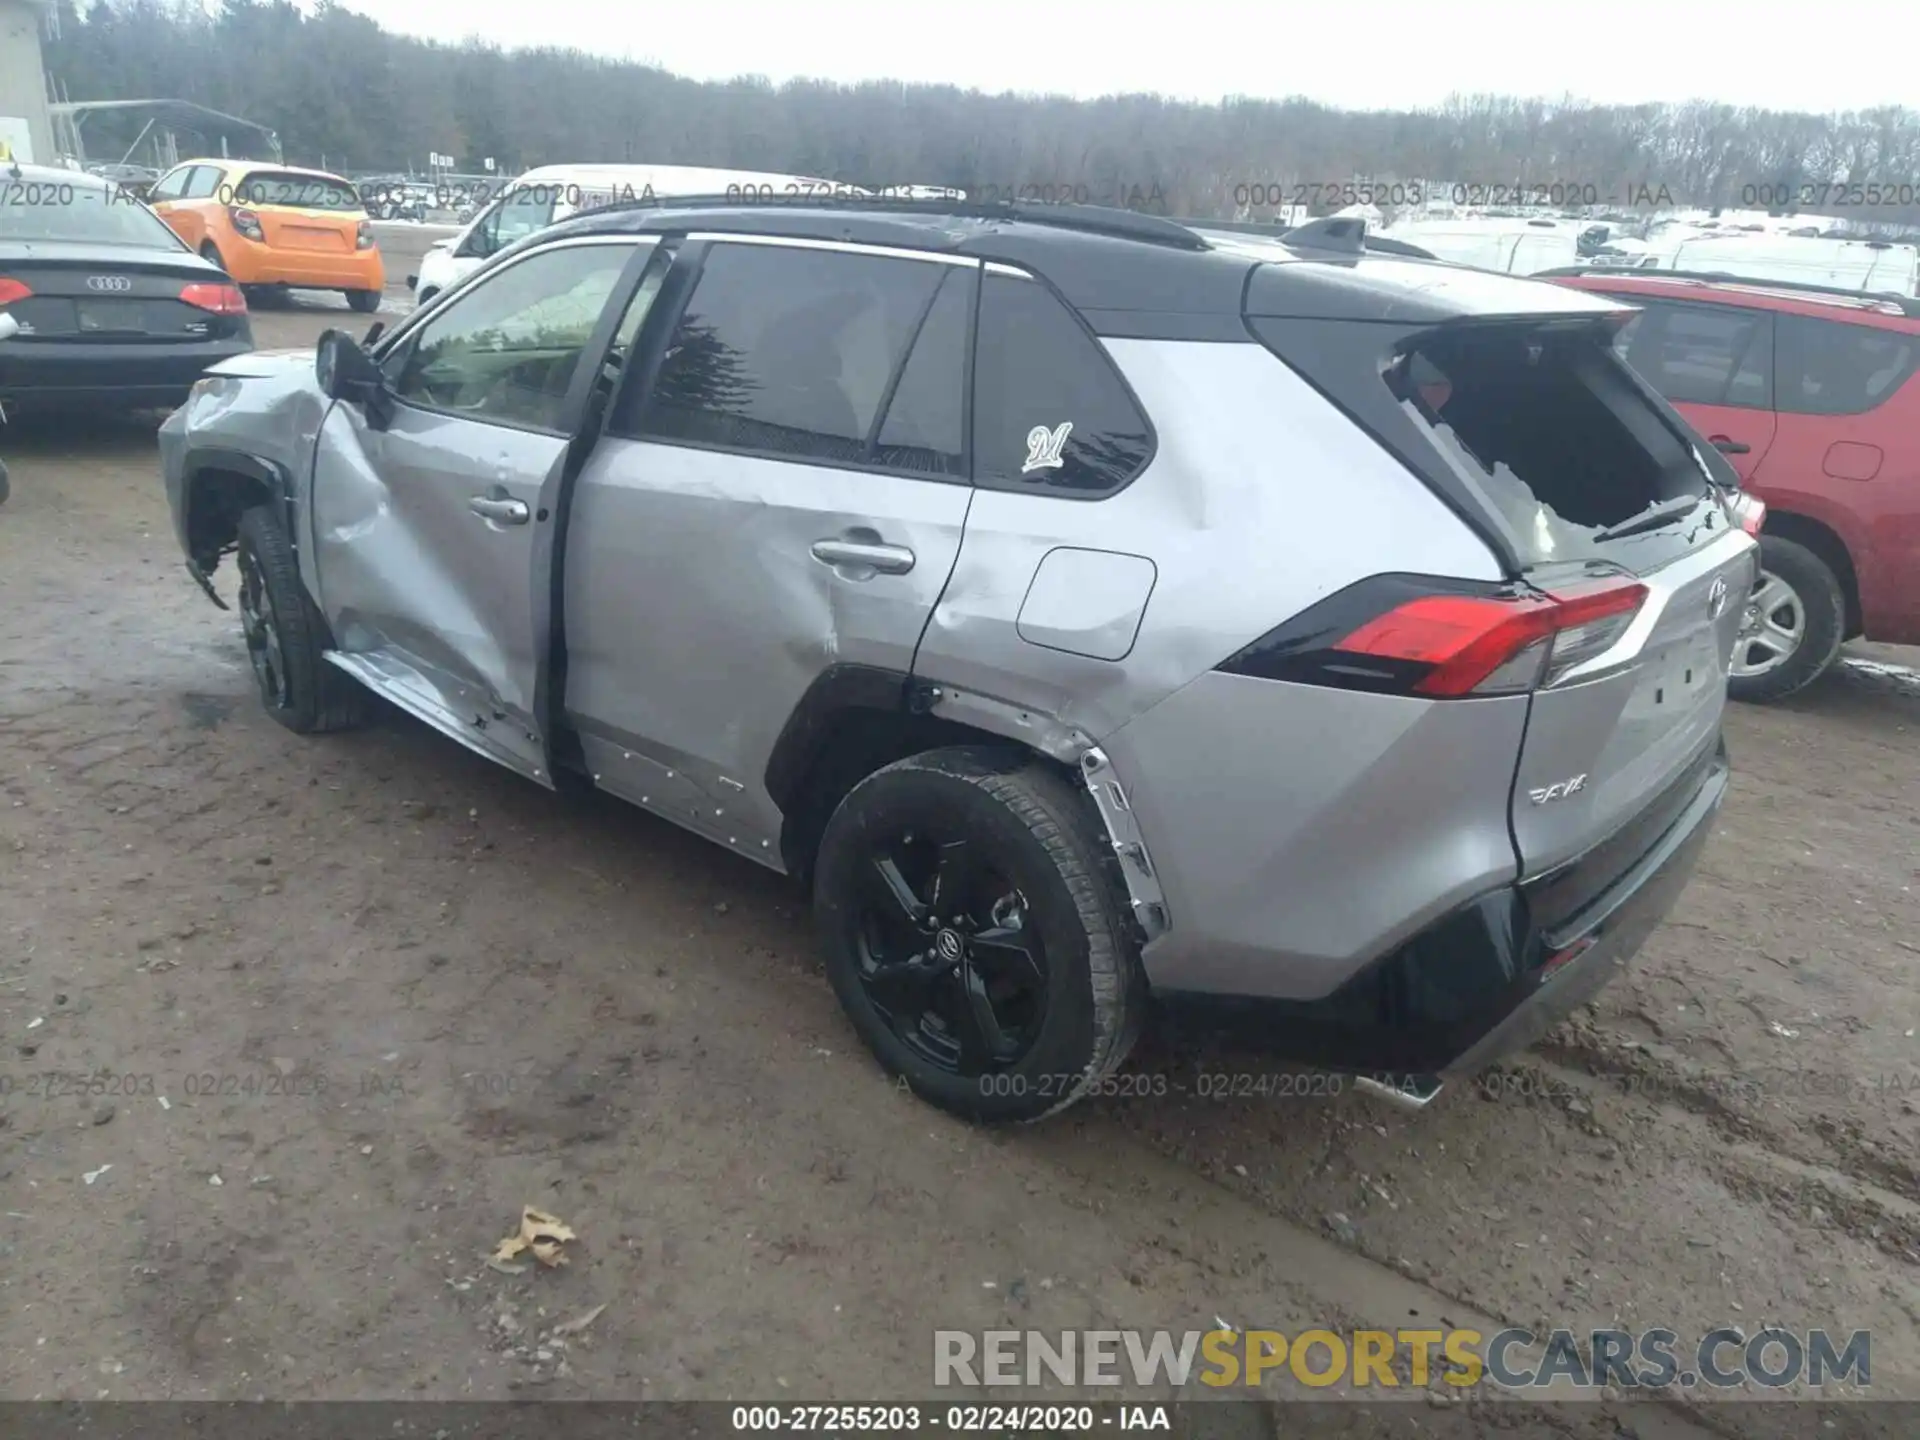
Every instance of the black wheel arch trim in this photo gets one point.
(809, 726)
(201, 459)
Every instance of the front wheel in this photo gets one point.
(1794, 621)
(287, 636)
(364, 301)
(972, 934)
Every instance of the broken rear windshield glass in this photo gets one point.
(1552, 433)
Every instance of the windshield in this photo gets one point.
(86, 213)
(288, 187)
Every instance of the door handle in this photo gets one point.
(887, 559)
(1729, 447)
(500, 512)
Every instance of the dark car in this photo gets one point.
(111, 307)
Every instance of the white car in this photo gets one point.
(1509, 246)
(538, 198)
(1877, 266)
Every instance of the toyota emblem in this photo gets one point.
(948, 943)
(1717, 598)
(109, 282)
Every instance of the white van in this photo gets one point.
(1510, 246)
(540, 197)
(1867, 265)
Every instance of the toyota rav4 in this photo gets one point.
(1097, 611)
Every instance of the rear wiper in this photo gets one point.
(1652, 518)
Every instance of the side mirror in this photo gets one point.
(346, 372)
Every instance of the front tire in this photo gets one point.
(973, 936)
(364, 302)
(287, 636)
(1794, 622)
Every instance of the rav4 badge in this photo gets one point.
(1558, 792)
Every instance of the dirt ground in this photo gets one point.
(391, 994)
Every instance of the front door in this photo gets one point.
(433, 530)
(786, 496)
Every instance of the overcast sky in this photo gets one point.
(1364, 55)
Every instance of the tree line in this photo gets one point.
(341, 91)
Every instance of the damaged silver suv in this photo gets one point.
(1100, 612)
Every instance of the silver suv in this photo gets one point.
(1098, 611)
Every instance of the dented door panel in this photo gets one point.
(701, 602)
(411, 571)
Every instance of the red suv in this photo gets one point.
(1814, 398)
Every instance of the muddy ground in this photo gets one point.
(392, 994)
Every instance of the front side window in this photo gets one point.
(1050, 413)
(792, 352)
(1828, 367)
(506, 350)
(172, 184)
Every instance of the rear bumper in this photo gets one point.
(102, 372)
(1487, 980)
(255, 264)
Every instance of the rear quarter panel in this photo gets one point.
(1295, 831)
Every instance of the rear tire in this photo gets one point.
(1797, 620)
(363, 301)
(211, 252)
(287, 636)
(1030, 928)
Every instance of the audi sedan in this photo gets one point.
(110, 307)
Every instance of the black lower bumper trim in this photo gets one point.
(1483, 982)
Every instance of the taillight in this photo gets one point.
(1412, 635)
(246, 222)
(220, 299)
(1748, 512)
(12, 290)
(364, 239)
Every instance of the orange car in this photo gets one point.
(274, 225)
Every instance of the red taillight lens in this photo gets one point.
(1748, 513)
(364, 238)
(246, 222)
(12, 290)
(220, 299)
(1408, 636)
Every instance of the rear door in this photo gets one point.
(434, 522)
(782, 492)
(1713, 363)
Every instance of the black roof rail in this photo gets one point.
(1094, 219)
(1274, 230)
(1909, 304)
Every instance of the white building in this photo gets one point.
(26, 132)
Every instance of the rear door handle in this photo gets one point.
(501, 512)
(1729, 447)
(887, 559)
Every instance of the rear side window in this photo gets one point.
(1826, 367)
(1702, 354)
(1050, 413)
(793, 353)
